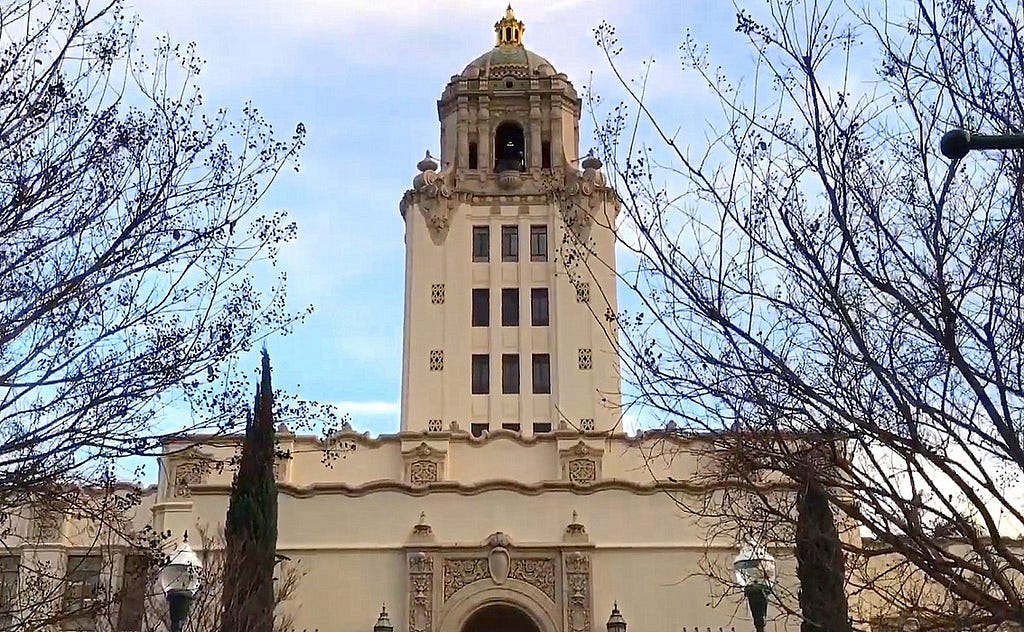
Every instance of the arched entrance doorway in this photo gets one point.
(500, 617)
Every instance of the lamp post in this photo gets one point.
(180, 581)
(957, 143)
(755, 573)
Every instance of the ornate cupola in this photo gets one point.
(509, 118)
(509, 30)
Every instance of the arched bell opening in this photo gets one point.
(500, 617)
(509, 147)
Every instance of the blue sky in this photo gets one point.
(364, 78)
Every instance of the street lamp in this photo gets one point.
(957, 143)
(755, 573)
(180, 581)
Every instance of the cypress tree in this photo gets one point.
(820, 566)
(251, 526)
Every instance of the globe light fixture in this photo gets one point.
(755, 574)
(180, 580)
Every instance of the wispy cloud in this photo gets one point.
(368, 408)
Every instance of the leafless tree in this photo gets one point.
(823, 294)
(128, 228)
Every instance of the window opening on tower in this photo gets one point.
(510, 148)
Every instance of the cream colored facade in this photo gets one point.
(475, 503)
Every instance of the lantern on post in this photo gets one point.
(180, 580)
(383, 623)
(615, 622)
(755, 573)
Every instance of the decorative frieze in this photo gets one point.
(537, 572)
(459, 573)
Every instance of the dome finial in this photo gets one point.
(509, 30)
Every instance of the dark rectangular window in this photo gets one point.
(509, 307)
(82, 592)
(481, 374)
(512, 427)
(481, 243)
(510, 243)
(478, 430)
(538, 243)
(132, 601)
(481, 307)
(540, 427)
(472, 156)
(9, 569)
(510, 373)
(541, 373)
(545, 154)
(539, 306)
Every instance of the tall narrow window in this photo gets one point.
(8, 589)
(510, 243)
(481, 374)
(510, 307)
(481, 243)
(81, 592)
(473, 164)
(131, 603)
(510, 373)
(545, 154)
(539, 307)
(541, 373)
(481, 307)
(538, 243)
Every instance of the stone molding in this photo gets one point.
(526, 489)
(190, 467)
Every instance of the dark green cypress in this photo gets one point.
(251, 525)
(820, 566)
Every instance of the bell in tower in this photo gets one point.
(501, 333)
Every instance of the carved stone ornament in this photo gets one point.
(424, 464)
(582, 471)
(459, 573)
(48, 524)
(434, 193)
(581, 194)
(537, 572)
(421, 592)
(499, 563)
(578, 597)
(423, 529)
(423, 472)
(581, 464)
(193, 471)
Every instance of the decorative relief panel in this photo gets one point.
(459, 573)
(421, 592)
(437, 293)
(434, 425)
(537, 572)
(581, 463)
(47, 524)
(586, 359)
(437, 359)
(424, 464)
(423, 472)
(582, 471)
(587, 425)
(578, 592)
(193, 471)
